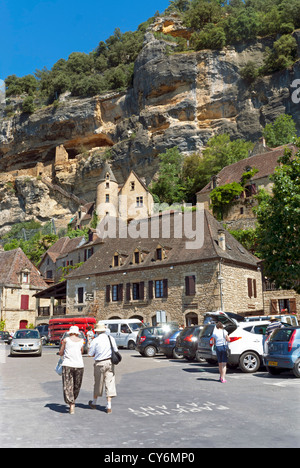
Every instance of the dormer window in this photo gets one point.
(116, 260)
(25, 276)
(159, 253)
(136, 257)
(107, 176)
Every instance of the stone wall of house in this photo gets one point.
(236, 294)
(11, 307)
(274, 297)
(177, 305)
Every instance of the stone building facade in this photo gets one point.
(19, 282)
(158, 276)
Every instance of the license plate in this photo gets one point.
(179, 350)
(272, 363)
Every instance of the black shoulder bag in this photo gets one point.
(115, 355)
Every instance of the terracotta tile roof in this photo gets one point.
(63, 246)
(12, 263)
(264, 162)
(176, 248)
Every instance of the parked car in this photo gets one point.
(246, 342)
(187, 342)
(168, 345)
(283, 351)
(283, 318)
(43, 331)
(4, 336)
(149, 339)
(26, 342)
(124, 331)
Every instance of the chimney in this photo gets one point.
(221, 239)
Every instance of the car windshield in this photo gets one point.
(136, 326)
(27, 334)
(282, 334)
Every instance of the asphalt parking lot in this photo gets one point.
(161, 403)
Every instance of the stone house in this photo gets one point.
(52, 259)
(240, 214)
(169, 273)
(130, 201)
(19, 281)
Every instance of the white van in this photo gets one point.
(290, 319)
(124, 331)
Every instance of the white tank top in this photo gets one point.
(72, 355)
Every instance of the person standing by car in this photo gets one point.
(104, 373)
(72, 374)
(273, 325)
(220, 337)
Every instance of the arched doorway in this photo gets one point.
(191, 319)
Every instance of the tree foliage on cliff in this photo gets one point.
(108, 67)
(278, 227)
(214, 24)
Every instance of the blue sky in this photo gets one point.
(35, 34)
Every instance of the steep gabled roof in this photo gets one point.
(12, 263)
(178, 251)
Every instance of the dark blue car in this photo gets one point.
(283, 351)
(168, 345)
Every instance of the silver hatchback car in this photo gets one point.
(26, 342)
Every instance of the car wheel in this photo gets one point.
(131, 345)
(150, 351)
(296, 368)
(274, 370)
(176, 355)
(249, 362)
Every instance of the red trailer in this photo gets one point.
(58, 326)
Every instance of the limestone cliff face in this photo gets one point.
(177, 99)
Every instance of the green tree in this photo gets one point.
(169, 187)
(282, 56)
(281, 132)
(211, 37)
(249, 72)
(28, 105)
(278, 225)
(220, 151)
(223, 197)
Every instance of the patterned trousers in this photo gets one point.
(72, 380)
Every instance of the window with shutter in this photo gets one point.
(249, 280)
(273, 305)
(150, 289)
(107, 295)
(142, 290)
(128, 295)
(165, 287)
(24, 302)
(293, 305)
(254, 288)
(190, 285)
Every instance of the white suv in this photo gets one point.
(246, 341)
